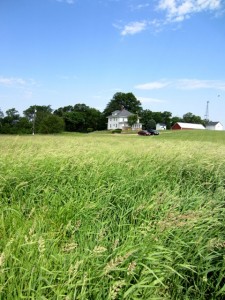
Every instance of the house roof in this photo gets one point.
(120, 113)
(190, 125)
(161, 124)
(212, 123)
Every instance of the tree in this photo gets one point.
(151, 124)
(191, 118)
(80, 117)
(51, 124)
(123, 100)
(146, 115)
(12, 116)
(1, 114)
(150, 118)
(166, 116)
(174, 120)
(132, 119)
(157, 116)
(12, 123)
(62, 110)
(74, 121)
(1, 118)
(12, 113)
(10, 120)
(36, 113)
(23, 126)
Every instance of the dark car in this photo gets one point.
(144, 132)
(153, 132)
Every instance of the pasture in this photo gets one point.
(100, 216)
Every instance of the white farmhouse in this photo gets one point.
(214, 126)
(119, 119)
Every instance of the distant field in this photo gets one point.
(103, 216)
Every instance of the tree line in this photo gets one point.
(82, 118)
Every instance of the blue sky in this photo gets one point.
(169, 53)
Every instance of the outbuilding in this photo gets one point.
(186, 126)
(214, 126)
(160, 126)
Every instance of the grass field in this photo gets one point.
(100, 216)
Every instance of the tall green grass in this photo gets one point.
(112, 216)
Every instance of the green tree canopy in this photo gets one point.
(166, 116)
(123, 100)
(1, 114)
(132, 119)
(151, 124)
(157, 116)
(39, 110)
(62, 110)
(12, 113)
(11, 118)
(37, 113)
(80, 117)
(174, 120)
(51, 124)
(146, 115)
(191, 118)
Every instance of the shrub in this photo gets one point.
(118, 130)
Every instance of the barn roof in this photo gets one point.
(190, 125)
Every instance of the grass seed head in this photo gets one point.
(131, 267)
(69, 247)
(117, 261)
(99, 249)
(73, 269)
(116, 243)
(114, 290)
(2, 259)
(77, 225)
(31, 212)
(41, 245)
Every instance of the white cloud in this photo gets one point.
(133, 28)
(23, 87)
(66, 1)
(139, 6)
(155, 85)
(12, 81)
(192, 84)
(178, 10)
(18, 83)
(175, 11)
(150, 100)
(186, 84)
